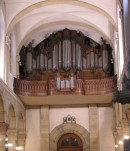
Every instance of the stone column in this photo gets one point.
(93, 128)
(21, 140)
(128, 118)
(7, 59)
(3, 129)
(12, 138)
(120, 138)
(44, 128)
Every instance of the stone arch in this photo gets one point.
(2, 119)
(69, 128)
(12, 117)
(51, 24)
(52, 2)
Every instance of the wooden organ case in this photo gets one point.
(67, 62)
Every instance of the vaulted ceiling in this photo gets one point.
(36, 19)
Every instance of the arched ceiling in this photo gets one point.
(35, 19)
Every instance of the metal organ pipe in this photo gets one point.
(88, 60)
(105, 59)
(59, 56)
(34, 63)
(78, 57)
(100, 59)
(96, 59)
(84, 63)
(64, 54)
(29, 62)
(41, 61)
(54, 59)
(73, 54)
(69, 54)
(38, 61)
(46, 62)
(92, 59)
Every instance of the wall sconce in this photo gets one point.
(120, 142)
(19, 148)
(7, 145)
(126, 137)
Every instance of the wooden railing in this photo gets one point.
(85, 87)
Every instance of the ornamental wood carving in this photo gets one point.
(67, 62)
(84, 87)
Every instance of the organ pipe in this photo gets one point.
(67, 50)
(34, 63)
(60, 55)
(92, 59)
(74, 54)
(88, 61)
(96, 60)
(38, 61)
(105, 60)
(41, 61)
(29, 62)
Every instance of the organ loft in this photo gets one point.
(67, 62)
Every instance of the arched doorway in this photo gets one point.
(70, 128)
(70, 142)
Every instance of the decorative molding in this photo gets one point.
(84, 87)
(69, 119)
(62, 129)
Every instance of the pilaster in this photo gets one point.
(12, 139)
(93, 128)
(3, 129)
(44, 128)
(21, 140)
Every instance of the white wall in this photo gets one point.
(106, 139)
(32, 130)
(57, 114)
(106, 129)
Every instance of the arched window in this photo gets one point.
(70, 142)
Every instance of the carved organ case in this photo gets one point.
(66, 56)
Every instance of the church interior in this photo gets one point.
(64, 75)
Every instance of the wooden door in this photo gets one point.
(70, 142)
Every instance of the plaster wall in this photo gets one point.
(106, 138)
(56, 116)
(15, 7)
(32, 130)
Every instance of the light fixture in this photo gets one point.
(8, 145)
(126, 137)
(120, 142)
(6, 139)
(116, 146)
(19, 148)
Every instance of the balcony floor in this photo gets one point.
(67, 99)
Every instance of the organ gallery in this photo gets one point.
(66, 62)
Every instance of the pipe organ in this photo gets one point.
(65, 56)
